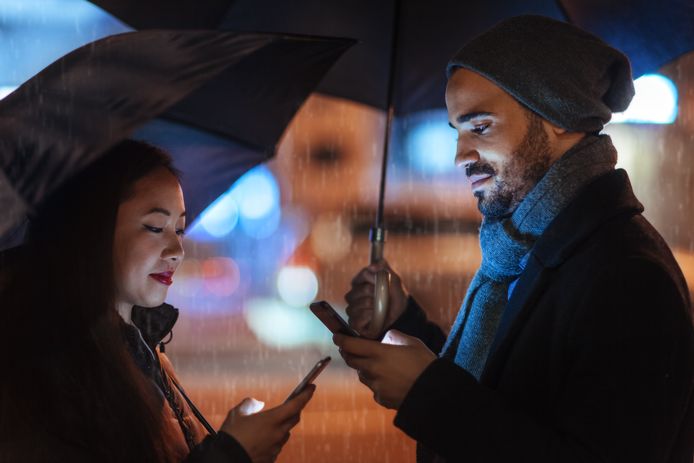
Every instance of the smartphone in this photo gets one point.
(310, 377)
(331, 319)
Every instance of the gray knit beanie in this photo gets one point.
(562, 73)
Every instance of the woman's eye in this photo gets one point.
(180, 232)
(154, 229)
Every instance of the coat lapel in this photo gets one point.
(607, 197)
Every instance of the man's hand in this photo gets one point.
(360, 299)
(263, 434)
(388, 368)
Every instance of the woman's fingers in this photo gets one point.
(291, 407)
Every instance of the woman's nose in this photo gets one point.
(174, 251)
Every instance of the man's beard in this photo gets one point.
(526, 166)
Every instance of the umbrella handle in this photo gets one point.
(382, 287)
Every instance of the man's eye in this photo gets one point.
(154, 229)
(479, 129)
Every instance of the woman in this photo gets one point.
(83, 377)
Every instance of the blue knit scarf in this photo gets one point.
(506, 244)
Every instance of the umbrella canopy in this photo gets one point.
(404, 45)
(64, 117)
(427, 34)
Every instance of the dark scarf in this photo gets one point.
(506, 244)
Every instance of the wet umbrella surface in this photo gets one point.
(63, 118)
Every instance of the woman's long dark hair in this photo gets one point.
(66, 371)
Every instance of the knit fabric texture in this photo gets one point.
(566, 75)
(506, 242)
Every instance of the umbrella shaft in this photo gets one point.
(377, 237)
(384, 169)
(391, 108)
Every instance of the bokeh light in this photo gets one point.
(431, 143)
(331, 238)
(221, 217)
(280, 325)
(221, 276)
(253, 202)
(188, 280)
(655, 102)
(264, 226)
(257, 193)
(297, 285)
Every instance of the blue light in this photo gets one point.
(431, 146)
(253, 201)
(221, 217)
(34, 33)
(257, 193)
(6, 90)
(262, 227)
(655, 102)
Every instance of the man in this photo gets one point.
(574, 341)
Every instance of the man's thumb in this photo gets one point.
(397, 338)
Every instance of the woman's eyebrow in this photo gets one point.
(160, 210)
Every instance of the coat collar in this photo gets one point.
(154, 323)
(608, 197)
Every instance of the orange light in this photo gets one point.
(221, 276)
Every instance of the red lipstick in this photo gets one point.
(164, 278)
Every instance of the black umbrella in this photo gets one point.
(405, 44)
(427, 33)
(72, 111)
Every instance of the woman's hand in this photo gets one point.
(263, 434)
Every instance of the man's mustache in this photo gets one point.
(478, 168)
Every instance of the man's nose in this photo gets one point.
(465, 157)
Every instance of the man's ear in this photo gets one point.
(560, 138)
(555, 129)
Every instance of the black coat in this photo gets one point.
(593, 360)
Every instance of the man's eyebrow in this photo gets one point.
(463, 118)
(166, 212)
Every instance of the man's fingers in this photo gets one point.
(358, 346)
(363, 306)
(398, 338)
(360, 322)
(365, 275)
(359, 292)
(361, 364)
